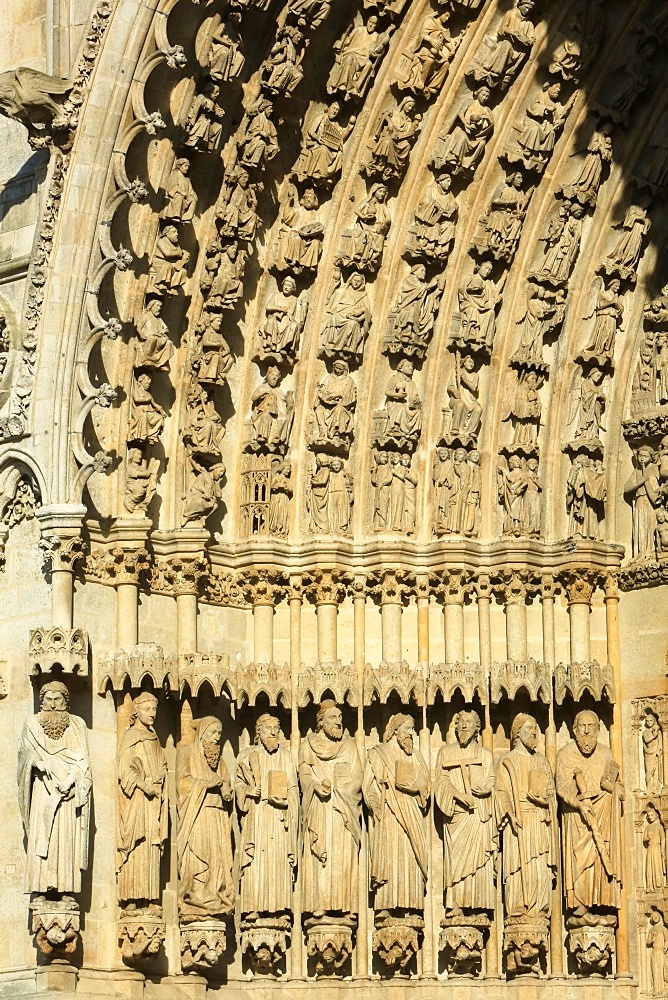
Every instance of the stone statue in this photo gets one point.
(180, 194)
(443, 480)
(582, 30)
(544, 313)
(381, 480)
(282, 70)
(478, 300)
(334, 411)
(347, 319)
(513, 484)
(624, 260)
(204, 429)
(527, 819)
(652, 751)
(204, 838)
(225, 58)
(463, 395)
(54, 788)
(35, 100)
(525, 411)
(213, 359)
(203, 494)
(321, 155)
(142, 808)
(140, 481)
(362, 246)
(425, 66)
(154, 349)
(562, 241)
(222, 282)
(301, 234)
(586, 406)
(258, 138)
(167, 274)
(608, 313)
(654, 842)
(499, 59)
(501, 228)
(391, 143)
(642, 491)
(204, 124)
(272, 411)
(147, 418)
(657, 941)
(464, 147)
(411, 320)
(281, 490)
(585, 497)
(537, 133)
(403, 406)
(432, 233)
(330, 496)
(398, 499)
(237, 215)
(357, 54)
(585, 187)
(285, 317)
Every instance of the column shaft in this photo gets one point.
(326, 615)
(127, 615)
(453, 614)
(186, 623)
(263, 633)
(62, 598)
(579, 631)
(390, 615)
(516, 631)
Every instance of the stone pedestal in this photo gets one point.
(141, 936)
(264, 942)
(329, 943)
(203, 943)
(396, 940)
(55, 924)
(58, 977)
(462, 940)
(525, 945)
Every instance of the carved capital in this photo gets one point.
(611, 587)
(452, 586)
(579, 586)
(482, 586)
(118, 565)
(392, 587)
(264, 587)
(549, 587)
(326, 586)
(225, 589)
(422, 587)
(515, 586)
(180, 574)
(295, 589)
(359, 588)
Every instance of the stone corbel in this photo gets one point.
(576, 678)
(339, 678)
(397, 939)
(447, 678)
(147, 660)
(264, 941)
(395, 678)
(462, 940)
(55, 924)
(203, 944)
(329, 943)
(141, 936)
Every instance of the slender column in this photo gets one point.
(185, 576)
(453, 590)
(326, 589)
(296, 957)
(548, 591)
(579, 588)
(515, 594)
(263, 632)
(63, 547)
(428, 954)
(611, 593)
(361, 956)
(423, 618)
(326, 616)
(125, 565)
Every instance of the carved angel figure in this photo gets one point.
(140, 481)
(358, 53)
(391, 143)
(585, 497)
(285, 316)
(525, 411)
(225, 58)
(280, 489)
(154, 348)
(625, 258)
(608, 311)
(347, 319)
(282, 71)
(147, 418)
(258, 139)
(180, 194)
(642, 490)
(501, 228)
(425, 65)
(544, 313)
(410, 322)
(204, 124)
(167, 273)
(500, 58)
(362, 246)
(462, 149)
(321, 154)
(301, 233)
(586, 185)
(432, 232)
(334, 410)
(35, 100)
(477, 307)
(587, 404)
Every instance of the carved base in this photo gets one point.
(203, 943)
(396, 939)
(462, 940)
(525, 944)
(329, 943)
(141, 934)
(264, 941)
(55, 924)
(591, 942)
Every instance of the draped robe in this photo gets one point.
(142, 821)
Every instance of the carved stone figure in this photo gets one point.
(347, 319)
(582, 31)
(544, 313)
(527, 817)
(652, 750)
(142, 808)
(140, 481)
(272, 411)
(654, 842)
(585, 187)
(222, 282)
(587, 405)
(35, 100)
(204, 429)
(562, 241)
(204, 124)
(591, 795)
(625, 258)
(282, 70)
(54, 789)
(258, 139)
(203, 494)
(381, 480)
(628, 81)
(204, 838)
(609, 311)
(281, 490)
(464, 494)
(154, 349)
(309, 13)
(180, 194)
(462, 149)
(478, 300)
(357, 54)
(425, 65)
(390, 146)
(410, 322)
(403, 406)
(214, 358)
(330, 496)
(443, 480)
(432, 233)
(362, 246)
(501, 228)
(464, 407)
(657, 941)
(285, 316)
(334, 410)
(237, 215)
(499, 59)
(585, 497)
(531, 507)
(519, 487)
(395, 493)
(537, 133)
(147, 418)
(525, 411)
(300, 236)
(167, 274)
(321, 155)
(642, 491)
(225, 59)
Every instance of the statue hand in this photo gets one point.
(480, 791)
(66, 786)
(148, 788)
(324, 789)
(280, 803)
(466, 801)
(515, 822)
(254, 792)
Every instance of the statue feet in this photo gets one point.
(203, 943)
(396, 939)
(591, 941)
(462, 941)
(55, 924)
(329, 941)
(141, 933)
(525, 943)
(264, 941)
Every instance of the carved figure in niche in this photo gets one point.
(403, 405)
(585, 497)
(582, 32)
(654, 841)
(625, 258)
(477, 307)
(347, 319)
(463, 792)
(140, 481)
(396, 791)
(282, 71)
(237, 215)
(661, 349)
(563, 240)
(661, 533)
(432, 233)
(443, 479)
(591, 796)
(321, 155)
(425, 65)
(267, 798)
(526, 410)
(527, 819)
(642, 491)
(180, 194)
(652, 750)
(544, 313)
(531, 512)
(501, 228)
(225, 60)
(214, 358)
(285, 316)
(142, 808)
(222, 281)
(358, 53)
(653, 173)
(657, 940)
(167, 273)
(204, 838)
(258, 142)
(401, 495)
(513, 484)
(587, 405)
(381, 480)
(500, 58)
(609, 311)
(154, 349)
(464, 147)
(272, 411)
(147, 418)
(538, 132)
(362, 246)
(463, 392)
(54, 789)
(330, 776)
(281, 490)
(334, 410)
(204, 124)
(464, 518)
(656, 312)
(330, 496)
(301, 233)
(309, 13)
(627, 82)
(204, 493)
(588, 182)
(35, 100)
(391, 143)
(204, 430)
(410, 322)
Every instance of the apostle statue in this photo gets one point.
(652, 750)
(463, 789)
(54, 783)
(204, 839)
(527, 818)
(330, 775)
(142, 808)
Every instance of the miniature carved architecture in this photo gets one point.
(334, 499)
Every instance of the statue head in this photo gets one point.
(183, 164)
(406, 367)
(329, 720)
(467, 727)
(336, 464)
(443, 454)
(144, 709)
(525, 730)
(333, 110)
(515, 462)
(172, 233)
(382, 458)
(357, 280)
(474, 458)
(268, 732)
(289, 285)
(154, 306)
(309, 199)
(585, 731)
(372, 23)
(482, 95)
(651, 813)
(54, 716)
(401, 727)
(651, 721)
(210, 738)
(273, 376)
(406, 460)
(445, 181)
(485, 269)
(340, 367)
